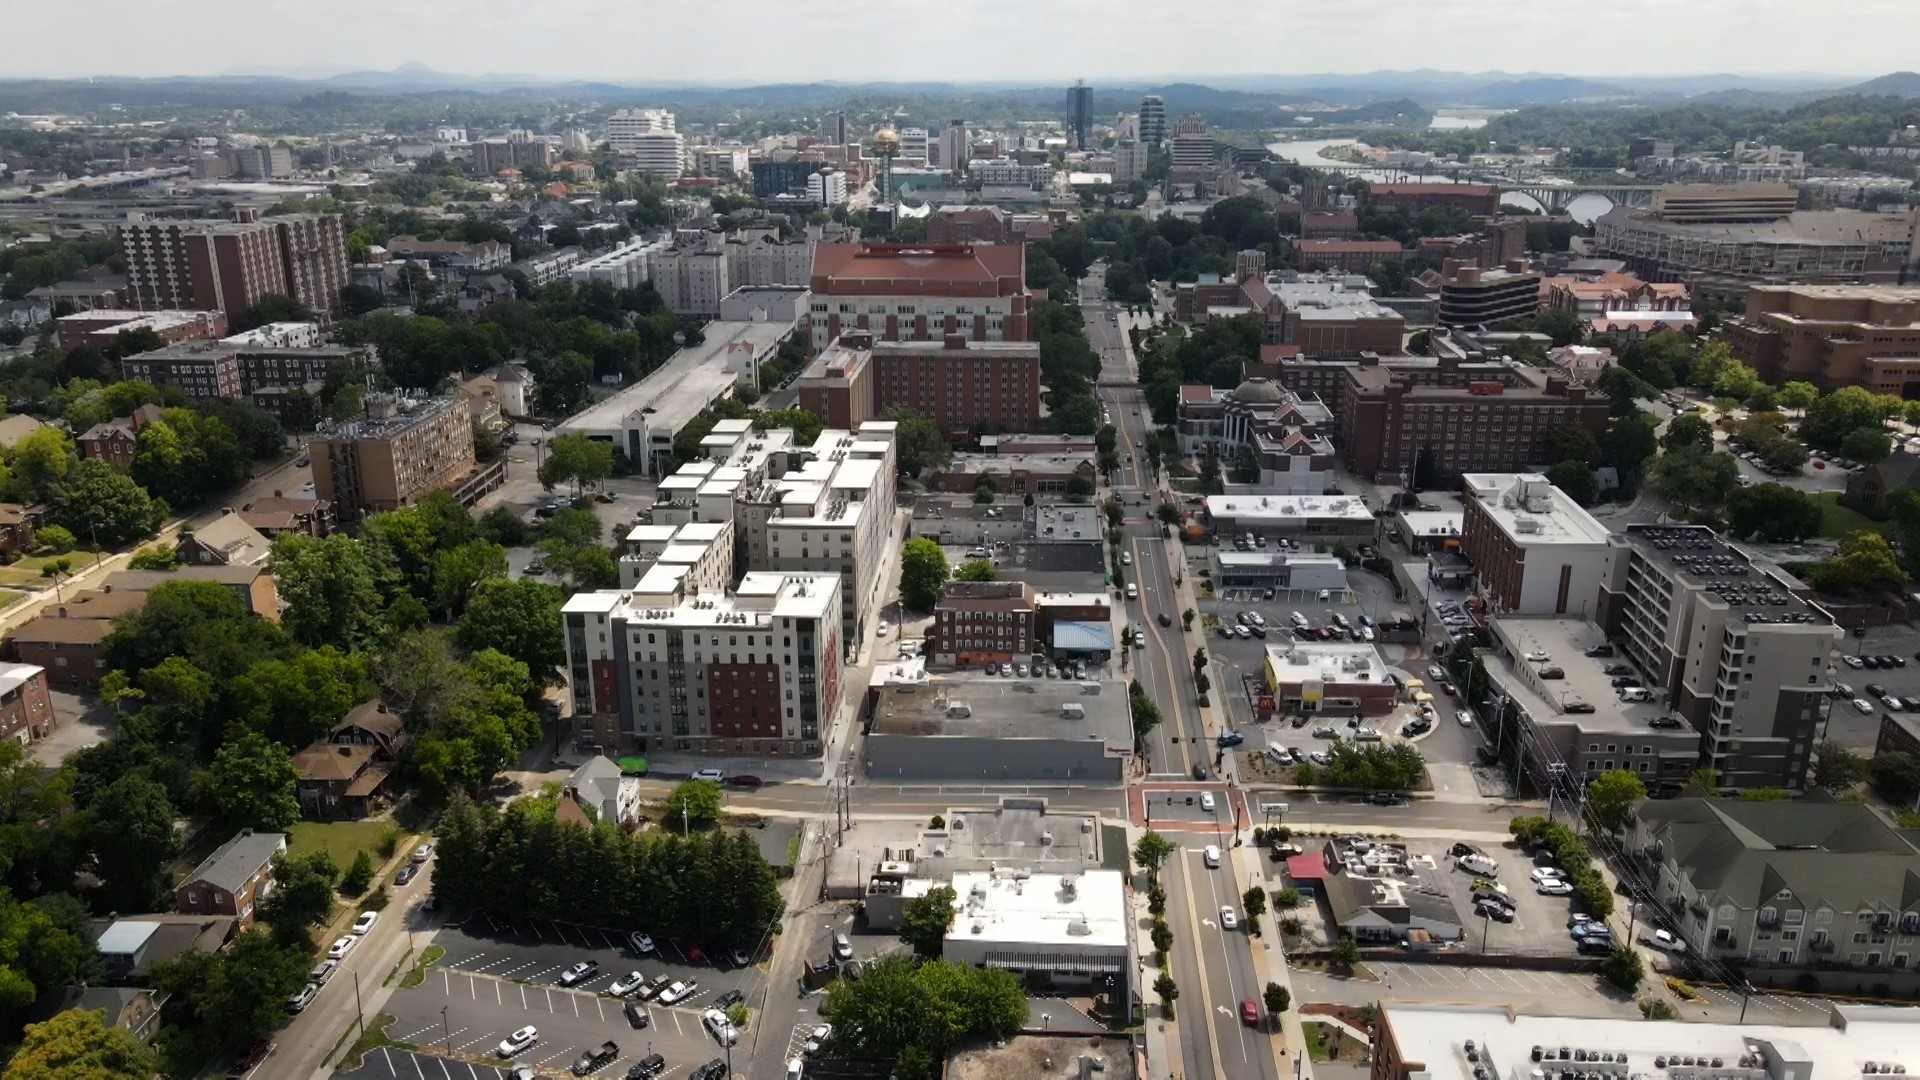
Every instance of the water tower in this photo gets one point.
(886, 144)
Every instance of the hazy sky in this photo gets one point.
(741, 42)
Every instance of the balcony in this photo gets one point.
(1821, 945)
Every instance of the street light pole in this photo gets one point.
(446, 1032)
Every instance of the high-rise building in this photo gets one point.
(1129, 161)
(400, 451)
(783, 176)
(693, 277)
(955, 148)
(1080, 114)
(913, 146)
(1153, 121)
(645, 140)
(828, 188)
(518, 150)
(963, 386)
(228, 266)
(1733, 648)
(1470, 296)
(833, 129)
(720, 161)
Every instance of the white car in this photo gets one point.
(1547, 873)
(1465, 718)
(1478, 864)
(1554, 887)
(342, 947)
(1863, 705)
(1665, 942)
(632, 981)
(365, 922)
(1228, 919)
(714, 775)
(300, 1001)
(1436, 673)
(720, 1027)
(641, 942)
(1211, 856)
(1539, 656)
(818, 1037)
(677, 992)
(1126, 558)
(423, 853)
(1206, 801)
(518, 1042)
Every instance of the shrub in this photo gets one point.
(389, 843)
(358, 876)
(1286, 899)
(1807, 982)
(54, 540)
(1655, 1009)
(1290, 925)
(1681, 989)
(939, 822)
(1346, 954)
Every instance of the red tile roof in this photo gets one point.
(921, 269)
(1196, 394)
(1273, 354)
(1349, 247)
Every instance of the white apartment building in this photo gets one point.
(828, 188)
(955, 148)
(627, 266)
(757, 257)
(1536, 551)
(693, 279)
(913, 145)
(720, 160)
(646, 141)
(700, 553)
(827, 508)
(668, 664)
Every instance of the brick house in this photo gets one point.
(113, 441)
(238, 873)
(253, 585)
(18, 526)
(344, 776)
(26, 705)
(69, 640)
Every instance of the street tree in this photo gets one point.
(252, 783)
(78, 1044)
(1150, 852)
(576, 458)
(1611, 798)
(923, 570)
(694, 802)
(1277, 998)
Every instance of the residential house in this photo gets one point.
(272, 516)
(225, 541)
(16, 427)
(132, 1009)
(69, 640)
(1783, 884)
(230, 880)
(344, 776)
(132, 944)
(252, 584)
(482, 291)
(112, 441)
(598, 792)
(18, 525)
(482, 395)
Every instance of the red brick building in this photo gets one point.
(964, 386)
(101, 326)
(68, 641)
(1479, 199)
(229, 265)
(919, 292)
(982, 622)
(1353, 255)
(1329, 225)
(26, 705)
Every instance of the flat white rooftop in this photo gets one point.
(1016, 907)
(688, 382)
(1256, 508)
(1504, 1043)
(1302, 661)
(1531, 511)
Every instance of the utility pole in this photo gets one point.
(446, 1032)
(359, 1016)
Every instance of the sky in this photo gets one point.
(746, 42)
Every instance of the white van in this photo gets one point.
(1211, 856)
(1477, 864)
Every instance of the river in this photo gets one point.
(1311, 153)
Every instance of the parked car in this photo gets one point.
(659, 983)
(341, 947)
(1547, 873)
(300, 1000)
(627, 984)
(518, 1041)
(679, 991)
(1436, 673)
(596, 1058)
(842, 947)
(1554, 887)
(714, 775)
(637, 1015)
(1665, 941)
(640, 943)
(406, 874)
(1477, 864)
(647, 1068)
(365, 922)
(579, 973)
(720, 1027)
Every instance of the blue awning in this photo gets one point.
(1083, 636)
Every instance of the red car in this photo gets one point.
(1449, 689)
(251, 1060)
(1249, 1012)
(744, 781)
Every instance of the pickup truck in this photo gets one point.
(598, 1058)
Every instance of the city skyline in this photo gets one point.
(1114, 42)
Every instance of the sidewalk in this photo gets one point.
(1270, 965)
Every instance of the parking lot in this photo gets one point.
(1846, 724)
(387, 1063)
(537, 952)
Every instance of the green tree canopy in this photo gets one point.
(976, 570)
(519, 618)
(925, 920)
(1687, 432)
(252, 784)
(79, 1044)
(328, 590)
(576, 458)
(1611, 797)
(694, 802)
(898, 1005)
(1772, 512)
(919, 441)
(923, 570)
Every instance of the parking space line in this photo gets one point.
(496, 993)
(576, 1004)
(549, 994)
(600, 1003)
(391, 1071)
(523, 995)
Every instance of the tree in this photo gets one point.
(1146, 714)
(225, 1000)
(1254, 900)
(914, 1012)
(41, 462)
(925, 920)
(130, 831)
(359, 875)
(917, 441)
(252, 784)
(1831, 419)
(327, 590)
(1575, 478)
(1611, 798)
(1345, 954)
(157, 557)
(296, 701)
(1624, 969)
(1772, 512)
(302, 896)
(1568, 441)
(1864, 565)
(1837, 767)
(1797, 395)
(1686, 432)
(584, 461)
(1869, 445)
(1277, 998)
(1896, 776)
(1150, 852)
(269, 308)
(923, 570)
(103, 504)
(975, 570)
(79, 1044)
(1783, 454)
(459, 571)
(1694, 480)
(519, 618)
(695, 802)
(1630, 443)
(1168, 990)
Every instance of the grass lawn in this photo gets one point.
(9, 597)
(1321, 1036)
(341, 839)
(1837, 521)
(27, 571)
